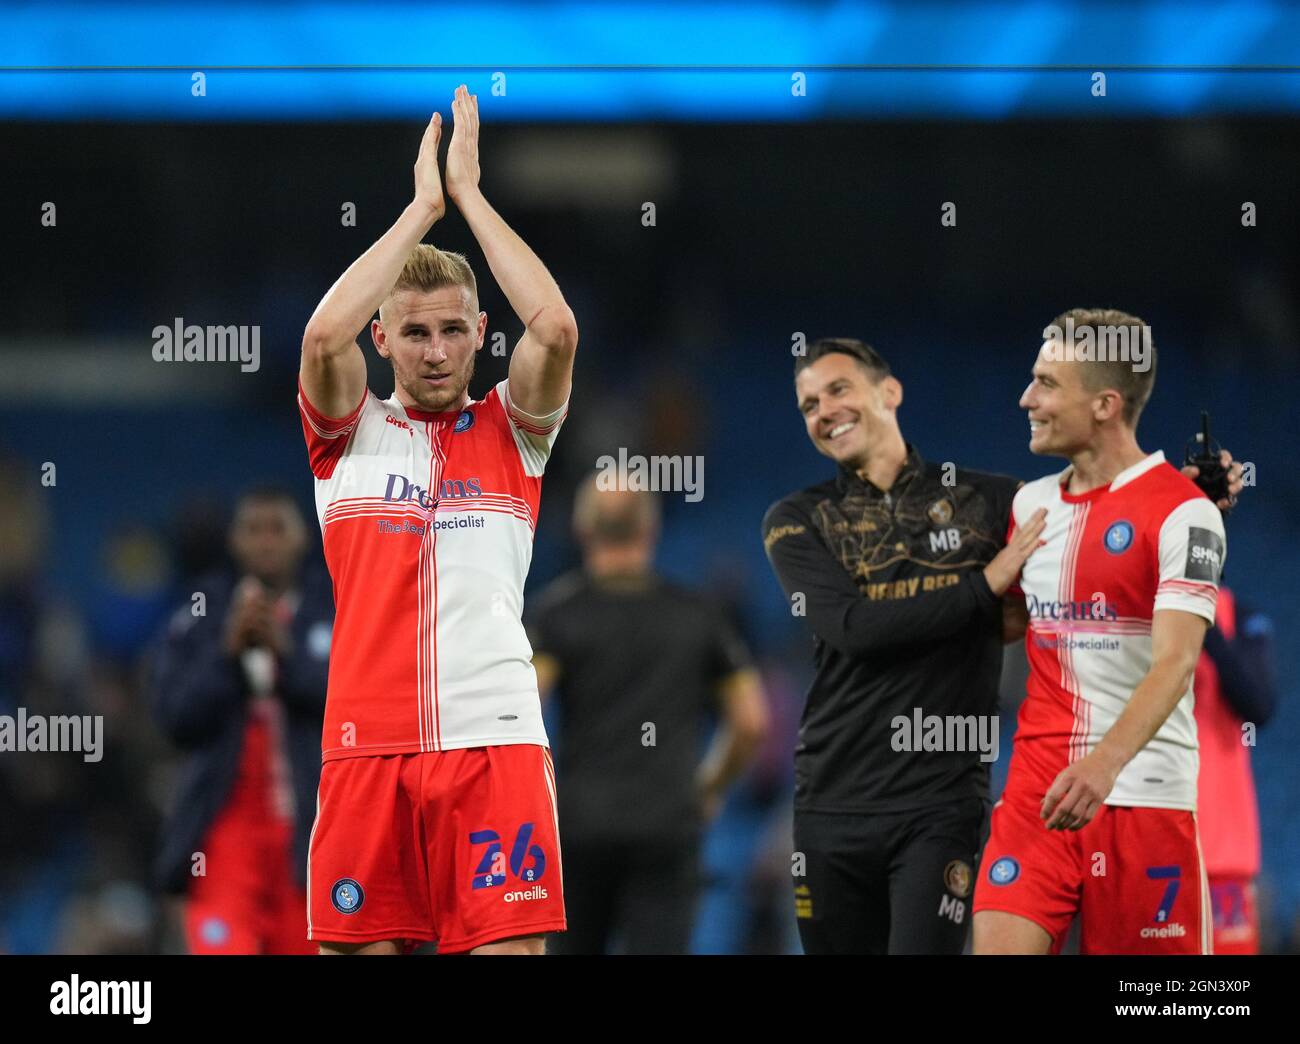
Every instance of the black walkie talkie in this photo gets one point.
(1203, 452)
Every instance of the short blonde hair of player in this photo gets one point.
(1135, 387)
(427, 268)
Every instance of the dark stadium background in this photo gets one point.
(826, 227)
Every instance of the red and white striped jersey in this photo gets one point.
(427, 522)
(1112, 557)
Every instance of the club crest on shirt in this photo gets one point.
(956, 878)
(940, 512)
(347, 896)
(1118, 537)
(464, 422)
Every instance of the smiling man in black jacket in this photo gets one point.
(240, 687)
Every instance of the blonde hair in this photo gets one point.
(427, 268)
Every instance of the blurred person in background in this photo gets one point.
(1234, 685)
(638, 666)
(239, 684)
(44, 833)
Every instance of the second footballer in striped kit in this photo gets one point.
(436, 813)
(1098, 817)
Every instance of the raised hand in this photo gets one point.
(243, 619)
(462, 153)
(428, 182)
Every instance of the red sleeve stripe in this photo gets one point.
(1193, 587)
(327, 427)
(536, 429)
(529, 423)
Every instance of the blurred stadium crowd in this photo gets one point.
(686, 349)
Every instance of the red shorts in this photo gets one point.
(248, 899)
(1236, 914)
(1133, 875)
(459, 847)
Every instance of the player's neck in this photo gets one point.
(1099, 464)
(881, 468)
(406, 402)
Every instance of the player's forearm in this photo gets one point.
(890, 614)
(351, 302)
(1151, 704)
(860, 626)
(532, 292)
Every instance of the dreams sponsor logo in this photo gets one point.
(1041, 609)
(401, 488)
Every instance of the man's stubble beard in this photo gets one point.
(434, 401)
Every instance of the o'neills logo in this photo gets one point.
(536, 892)
(1041, 609)
(1169, 931)
(401, 488)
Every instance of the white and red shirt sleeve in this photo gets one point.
(533, 435)
(326, 437)
(1192, 552)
